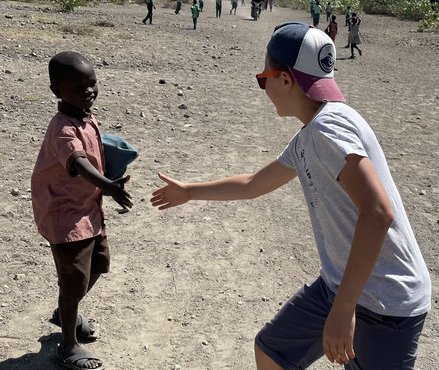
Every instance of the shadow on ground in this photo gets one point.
(42, 360)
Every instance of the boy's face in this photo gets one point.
(276, 90)
(79, 89)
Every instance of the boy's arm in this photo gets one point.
(246, 186)
(375, 215)
(113, 188)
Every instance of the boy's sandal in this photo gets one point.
(77, 362)
(87, 330)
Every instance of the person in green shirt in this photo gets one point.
(316, 14)
(328, 11)
(348, 16)
(150, 6)
(178, 7)
(195, 9)
(234, 6)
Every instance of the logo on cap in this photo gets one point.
(326, 58)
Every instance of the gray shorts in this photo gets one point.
(293, 338)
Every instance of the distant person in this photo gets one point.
(316, 13)
(332, 29)
(312, 4)
(270, 4)
(348, 15)
(195, 10)
(67, 186)
(178, 7)
(234, 6)
(354, 36)
(350, 21)
(367, 307)
(328, 11)
(150, 6)
(201, 5)
(218, 6)
(242, 2)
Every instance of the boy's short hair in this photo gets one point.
(63, 64)
(310, 56)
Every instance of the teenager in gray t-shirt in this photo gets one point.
(367, 309)
(399, 284)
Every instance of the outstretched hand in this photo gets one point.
(117, 191)
(172, 194)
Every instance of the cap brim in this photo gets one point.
(321, 89)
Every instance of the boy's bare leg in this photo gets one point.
(68, 311)
(263, 362)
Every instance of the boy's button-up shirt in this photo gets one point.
(67, 207)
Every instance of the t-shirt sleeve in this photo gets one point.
(67, 147)
(286, 157)
(333, 141)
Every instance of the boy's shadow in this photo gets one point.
(43, 360)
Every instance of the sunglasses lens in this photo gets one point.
(261, 82)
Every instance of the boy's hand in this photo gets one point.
(338, 336)
(116, 189)
(171, 195)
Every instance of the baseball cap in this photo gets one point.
(118, 155)
(310, 56)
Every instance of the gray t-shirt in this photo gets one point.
(399, 284)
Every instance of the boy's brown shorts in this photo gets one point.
(76, 261)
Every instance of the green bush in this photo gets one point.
(70, 5)
(425, 11)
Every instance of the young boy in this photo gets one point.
(367, 308)
(195, 10)
(67, 187)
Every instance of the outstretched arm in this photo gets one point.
(113, 188)
(246, 186)
(360, 181)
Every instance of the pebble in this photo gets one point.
(19, 276)
(182, 106)
(180, 93)
(142, 114)
(204, 342)
(15, 192)
(176, 367)
(162, 81)
(265, 299)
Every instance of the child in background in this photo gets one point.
(195, 10)
(67, 187)
(332, 29)
(328, 11)
(316, 13)
(149, 6)
(354, 35)
(218, 6)
(234, 6)
(348, 15)
(178, 7)
(367, 308)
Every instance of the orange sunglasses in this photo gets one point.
(262, 77)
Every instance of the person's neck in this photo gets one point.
(72, 111)
(309, 110)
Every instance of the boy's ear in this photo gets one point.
(287, 78)
(56, 91)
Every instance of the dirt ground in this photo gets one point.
(190, 287)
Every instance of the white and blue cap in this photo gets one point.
(310, 56)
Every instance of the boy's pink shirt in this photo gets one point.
(66, 207)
